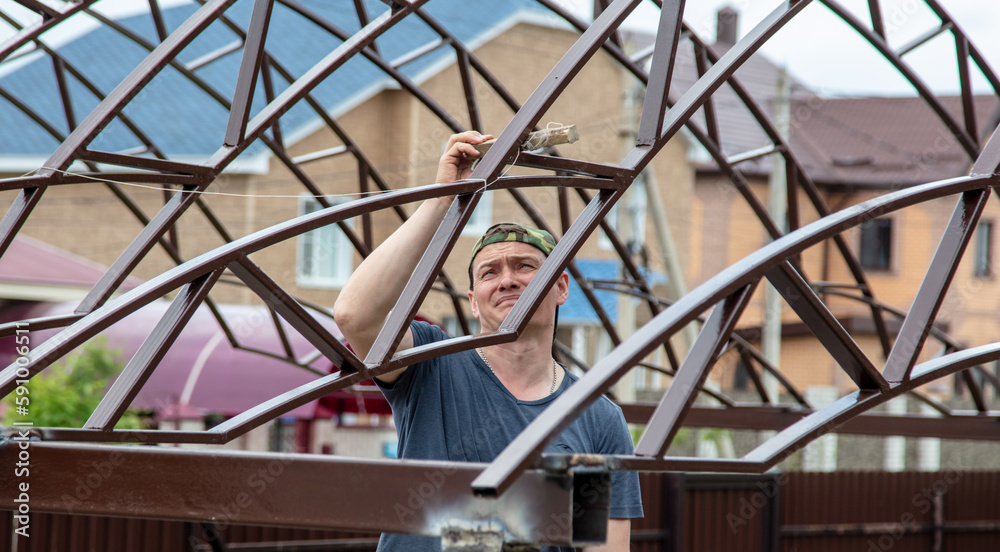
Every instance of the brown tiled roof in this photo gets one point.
(738, 129)
(882, 142)
(30, 261)
(876, 142)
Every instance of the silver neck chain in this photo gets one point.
(555, 369)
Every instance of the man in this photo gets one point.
(468, 406)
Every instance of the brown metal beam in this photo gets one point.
(290, 309)
(595, 212)
(824, 325)
(128, 384)
(246, 83)
(973, 425)
(665, 422)
(662, 68)
(532, 440)
(298, 490)
(930, 296)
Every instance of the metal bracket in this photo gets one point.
(472, 537)
(463, 536)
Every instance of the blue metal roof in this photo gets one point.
(576, 309)
(182, 119)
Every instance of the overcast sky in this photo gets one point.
(816, 47)
(821, 50)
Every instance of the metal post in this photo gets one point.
(778, 197)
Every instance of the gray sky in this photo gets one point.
(821, 50)
(816, 47)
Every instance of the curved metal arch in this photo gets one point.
(192, 273)
(363, 249)
(528, 446)
(95, 300)
(607, 46)
(730, 287)
(50, 20)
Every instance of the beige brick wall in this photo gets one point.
(403, 140)
(712, 225)
(725, 231)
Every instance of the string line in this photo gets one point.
(486, 185)
(206, 192)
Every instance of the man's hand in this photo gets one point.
(459, 156)
(372, 291)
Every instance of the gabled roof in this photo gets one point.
(184, 120)
(739, 131)
(33, 270)
(862, 141)
(883, 142)
(201, 373)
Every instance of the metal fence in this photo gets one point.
(862, 511)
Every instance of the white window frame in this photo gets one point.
(331, 239)
(482, 217)
(882, 248)
(983, 259)
(635, 201)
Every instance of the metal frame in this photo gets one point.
(717, 303)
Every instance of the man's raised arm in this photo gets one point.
(372, 291)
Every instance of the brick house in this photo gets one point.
(854, 148)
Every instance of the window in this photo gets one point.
(630, 224)
(876, 244)
(984, 250)
(454, 328)
(613, 221)
(482, 217)
(326, 256)
(741, 376)
(283, 435)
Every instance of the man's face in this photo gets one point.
(500, 274)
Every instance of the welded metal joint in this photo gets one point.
(19, 434)
(525, 496)
(479, 536)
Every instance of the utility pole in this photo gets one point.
(625, 390)
(631, 225)
(777, 205)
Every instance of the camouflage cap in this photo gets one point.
(513, 232)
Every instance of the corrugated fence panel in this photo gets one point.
(815, 512)
(74, 533)
(902, 512)
(71, 533)
(733, 513)
(652, 533)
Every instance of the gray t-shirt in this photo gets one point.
(454, 408)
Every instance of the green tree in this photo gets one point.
(66, 393)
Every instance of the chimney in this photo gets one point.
(726, 23)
